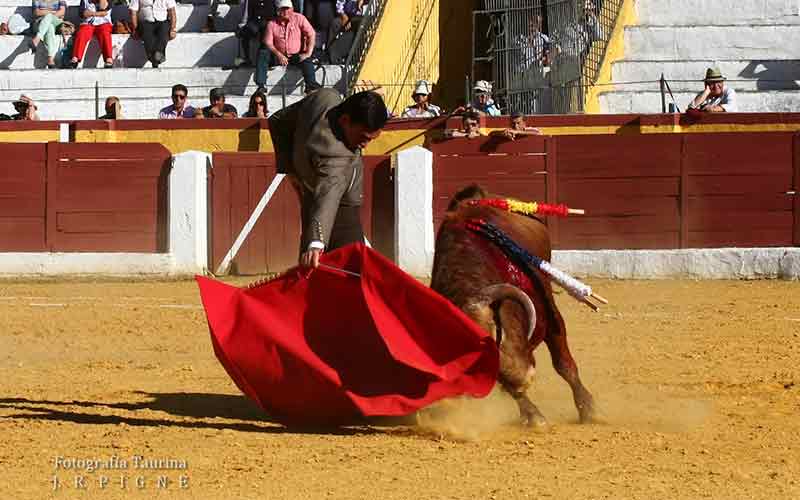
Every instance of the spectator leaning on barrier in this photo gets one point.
(96, 21)
(421, 107)
(25, 110)
(154, 21)
(180, 107)
(517, 128)
(113, 109)
(470, 126)
(483, 101)
(218, 107)
(290, 38)
(258, 107)
(48, 16)
(716, 97)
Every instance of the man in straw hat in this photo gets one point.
(25, 108)
(421, 107)
(716, 97)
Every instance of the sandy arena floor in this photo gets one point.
(698, 382)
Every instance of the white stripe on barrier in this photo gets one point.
(262, 204)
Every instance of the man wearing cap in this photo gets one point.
(716, 97)
(318, 142)
(290, 38)
(421, 108)
(483, 101)
(218, 108)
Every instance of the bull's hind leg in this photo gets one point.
(564, 364)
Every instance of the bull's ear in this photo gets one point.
(471, 192)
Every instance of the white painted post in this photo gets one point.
(188, 211)
(413, 235)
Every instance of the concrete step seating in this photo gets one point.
(698, 12)
(191, 18)
(676, 43)
(755, 43)
(144, 91)
(201, 61)
(749, 101)
(743, 75)
(187, 50)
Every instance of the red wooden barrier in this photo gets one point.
(737, 189)
(107, 197)
(643, 191)
(629, 187)
(238, 180)
(83, 197)
(514, 168)
(22, 197)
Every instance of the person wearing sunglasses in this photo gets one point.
(180, 107)
(258, 107)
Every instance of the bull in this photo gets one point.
(515, 305)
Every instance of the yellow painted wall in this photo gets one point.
(405, 49)
(29, 135)
(615, 51)
(177, 141)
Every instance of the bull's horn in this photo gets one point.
(502, 291)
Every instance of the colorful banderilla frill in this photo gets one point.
(527, 208)
(580, 291)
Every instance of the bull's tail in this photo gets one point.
(481, 306)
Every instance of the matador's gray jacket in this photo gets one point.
(309, 145)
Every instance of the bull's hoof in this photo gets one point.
(588, 414)
(536, 422)
(530, 414)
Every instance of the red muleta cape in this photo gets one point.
(333, 347)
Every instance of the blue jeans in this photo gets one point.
(306, 67)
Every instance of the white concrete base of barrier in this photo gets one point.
(119, 264)
(705, 263)
(187, 228)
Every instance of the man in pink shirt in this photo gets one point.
(290, 38)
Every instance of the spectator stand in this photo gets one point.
(201, 61)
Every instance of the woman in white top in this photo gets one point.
(96, 21)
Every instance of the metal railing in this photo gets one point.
(361, 42)
(541, 54)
